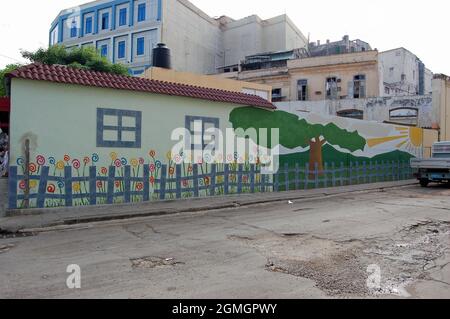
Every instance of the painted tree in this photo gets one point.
(296, 132)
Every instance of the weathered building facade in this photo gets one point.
(404, 73)
(341, 76)
(126, 31)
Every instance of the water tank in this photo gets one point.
(161, 56)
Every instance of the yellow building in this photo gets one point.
(350, 75)
(209, 81)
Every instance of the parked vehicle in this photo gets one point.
(436, 168)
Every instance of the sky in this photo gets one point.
(419, 26)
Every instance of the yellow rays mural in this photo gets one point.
(410, 139)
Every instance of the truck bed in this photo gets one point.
(432, 163)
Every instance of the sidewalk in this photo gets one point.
(21, 220)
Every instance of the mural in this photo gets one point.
(316, 151)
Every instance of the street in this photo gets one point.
(318, 248)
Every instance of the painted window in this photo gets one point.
(277, 95)
(119, 128)
(123, 17)
(198, 127)
(141, 12)
(331, 87)
(140, 46)
(104, 50)
(73, 29)
(105, 21)
(352, 114)
(88, 25)
(121, 53)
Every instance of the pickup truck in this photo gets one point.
(435, 169)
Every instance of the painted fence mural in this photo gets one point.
(316, 152)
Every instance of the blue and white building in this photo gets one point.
(125, 31)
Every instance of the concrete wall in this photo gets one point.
(209, 81)
(375, 109)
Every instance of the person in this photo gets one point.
(4, 165)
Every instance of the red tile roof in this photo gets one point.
(69, 75)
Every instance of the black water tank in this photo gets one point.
(161, 56)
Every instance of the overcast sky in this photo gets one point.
(418, 25)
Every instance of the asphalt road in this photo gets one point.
(322, 248)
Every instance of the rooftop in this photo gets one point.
(74, 76)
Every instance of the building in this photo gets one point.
(298, 78)
(208, 81)
(125, 31)
(441, 105)
(338, 47)
(404, 73)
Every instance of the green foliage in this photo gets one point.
(295, 132)
(84, 58)
(9, 68)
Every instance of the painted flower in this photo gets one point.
(229, 158)
(117, 163)
(152, 180)
(33, 184)
(171, 171)
(20, 161)
(134, 162)
(40, 160)
(60, 184)
(22, 185)
(86, 160)
(76, 164)
(32, 168)
(139, 186)
(113, 156)
(117, 183)
(152, 167)
(51, 188)
(207, 180)
(245, 179)
(52, 160)
(60, 165)
(185, 183)
(152, 153)
(220, 179)
(95, 157)
(104, 170)
(76, 187)
(66, 158)
(169, 155)
(178, 159)
(158, 164)
(190, 169)
(124, 161)
(141, 161)
(99, 184)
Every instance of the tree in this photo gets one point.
(9, 68)
(83, 58)
(296, 132)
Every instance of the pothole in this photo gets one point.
(5, 234)
(153, 262)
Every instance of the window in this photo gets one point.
(276, 95)
(140, 46)
(403, 77)
(123, 17)
(331, 88)
(73, 29)
(104, 50)
(119, 128)
(198, 126)
(352, 114)
(88, 25)
(105, 21)
(302, 88)
(359, 86)
(121, 49)
(141, 12)
(387, 90)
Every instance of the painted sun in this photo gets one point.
(410, 139)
